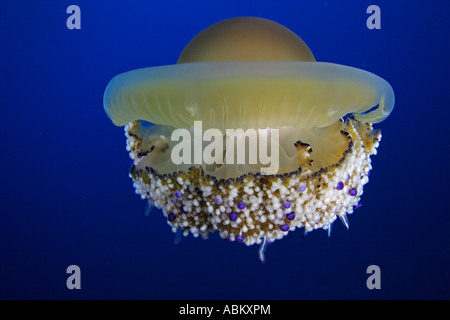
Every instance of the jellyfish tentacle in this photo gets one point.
(305, 234)
(178, 236)
(148, 208)
(262, 250)
(330, 227)
(344, 220)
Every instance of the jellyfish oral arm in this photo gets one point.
(318, 181)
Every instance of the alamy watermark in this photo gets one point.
(374, 20)
(236, 146)
(374, 280)
(74, 20)
(74, 280)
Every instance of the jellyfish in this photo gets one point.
(244, 74)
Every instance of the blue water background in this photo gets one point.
(65, 193)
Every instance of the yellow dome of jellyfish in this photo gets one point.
(246, 74)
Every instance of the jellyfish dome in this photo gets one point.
(237, 83)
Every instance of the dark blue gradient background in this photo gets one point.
(65, 193)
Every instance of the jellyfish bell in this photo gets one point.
(241, 66)
(246, 39)
(251, 74)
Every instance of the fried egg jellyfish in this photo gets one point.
(252, 73)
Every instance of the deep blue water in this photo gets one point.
(65, 193)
